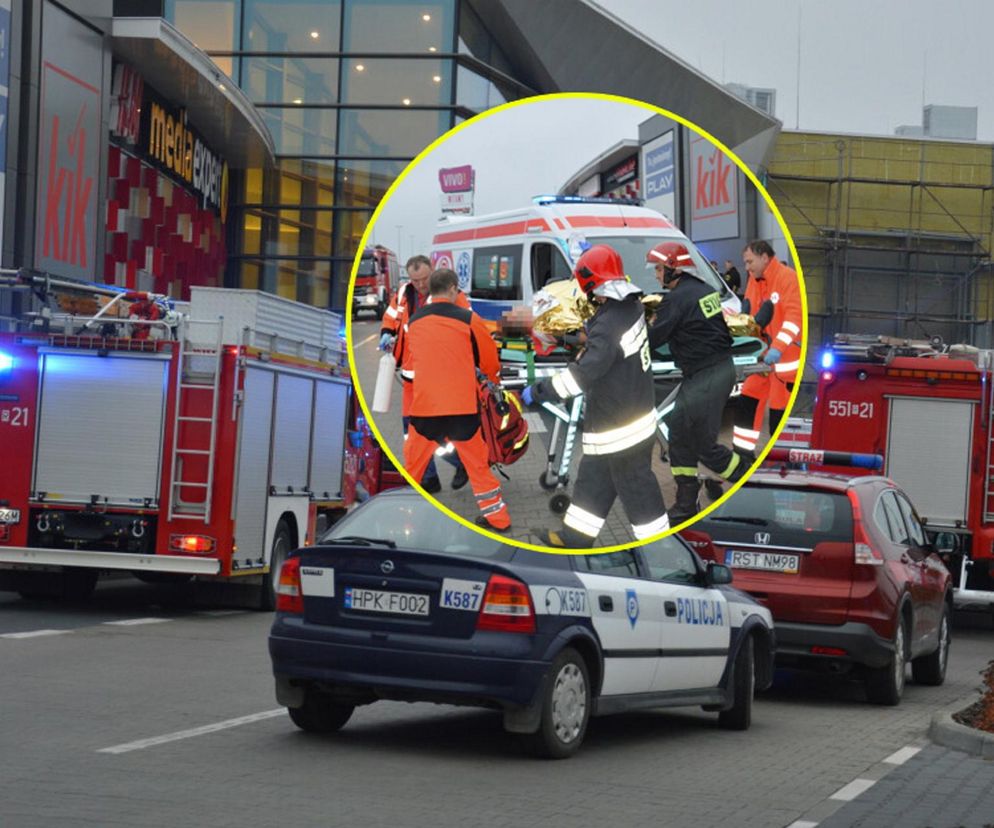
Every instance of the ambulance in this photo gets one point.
(503, 259)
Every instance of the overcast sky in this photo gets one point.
(866, 66)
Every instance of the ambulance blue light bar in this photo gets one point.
(827, 359)
(566, 199)
(6, 362)
(819, 457)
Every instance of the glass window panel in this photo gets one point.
(252, 232)
(350, 225)
(300, 26)
(373, 132)
(210, 24)
(302, 233)
(364, 183)
(398, 25)
(249, 275)
(301, 131)
(253, 186)
(391, 82)
(313, 181)
(477, 93)
(291, 80)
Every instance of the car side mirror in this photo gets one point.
(717, 574)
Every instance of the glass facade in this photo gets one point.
(351, 91)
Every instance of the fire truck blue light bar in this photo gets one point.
(6, 362)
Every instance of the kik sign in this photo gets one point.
(714, 192)
(456, 179)
(68, 164)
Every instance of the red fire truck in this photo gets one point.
(376, 280)
(928, 408)
(204, 443)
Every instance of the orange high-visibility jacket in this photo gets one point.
(780, 285)
(445, 344)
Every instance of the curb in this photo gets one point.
(951, 734)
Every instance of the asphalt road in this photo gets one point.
(148, 707)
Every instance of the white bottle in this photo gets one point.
(384, 383)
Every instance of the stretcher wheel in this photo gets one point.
(559, 503)
(548, 480)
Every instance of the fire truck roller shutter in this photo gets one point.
(292, 433)
(331, 408)
(254, 443)
(100, 426)
(934, 435)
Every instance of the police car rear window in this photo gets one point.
(415, 524)
(790, 517)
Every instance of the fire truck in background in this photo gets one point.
(175, 442)
(928, 408)
(376, 280)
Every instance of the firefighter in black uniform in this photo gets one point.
(691, 322)
(619, 422)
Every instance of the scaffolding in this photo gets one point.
(894, 234)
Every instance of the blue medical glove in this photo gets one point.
(772, 356)
(386, 341)
(528, 395)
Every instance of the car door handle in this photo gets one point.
(606, 604)
(670, 607)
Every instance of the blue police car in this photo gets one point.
(400, 602)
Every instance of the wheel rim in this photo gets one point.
(569, 703)
(899, 658)
(943, 642)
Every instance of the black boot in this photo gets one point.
(714, 488)
(686, 505)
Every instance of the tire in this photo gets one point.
(380, 310)
(548, 480)
(558, 504)
(72, 584)
(885, 685)
(739, 715)
(319, 714)
(282, 544)
(931, 669)
(566, 704)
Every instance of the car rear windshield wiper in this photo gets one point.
(356, 540)
(754, 521)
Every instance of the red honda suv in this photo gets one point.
(844, 566)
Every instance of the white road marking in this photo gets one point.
(35, 633)
(362, 342)
(141, 744)
(134, 622)
(802, 823)
(847, 793)
(901, 756)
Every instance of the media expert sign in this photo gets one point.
(456, 179)
(174, 146)
(713, 192)
(68, 146)
(659, 170)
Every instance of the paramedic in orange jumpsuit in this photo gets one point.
(773, 293)
(408, 299)
(447, 344)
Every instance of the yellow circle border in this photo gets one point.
(656, 110)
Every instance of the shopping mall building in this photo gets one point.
(166, 143)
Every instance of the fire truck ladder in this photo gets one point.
(196, 390)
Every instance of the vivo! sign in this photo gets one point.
(456, 179)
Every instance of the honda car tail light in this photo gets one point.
(507, 607)
(864, 553)
(289, 595)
